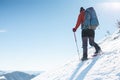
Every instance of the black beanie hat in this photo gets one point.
(81, 9)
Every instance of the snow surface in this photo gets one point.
(102, 67)
(2, 78)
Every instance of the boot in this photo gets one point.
(84, 58)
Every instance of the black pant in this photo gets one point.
(88, 34)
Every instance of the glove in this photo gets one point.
(74, 30)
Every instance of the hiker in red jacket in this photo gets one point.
(87, 34)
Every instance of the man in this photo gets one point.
(87, 34)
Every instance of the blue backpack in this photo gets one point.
(91, 20)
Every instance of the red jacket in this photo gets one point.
(80, 19)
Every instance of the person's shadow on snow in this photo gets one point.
(84, 72)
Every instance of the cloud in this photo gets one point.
(111, 6)
(2, 30)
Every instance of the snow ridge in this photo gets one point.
(102, 67)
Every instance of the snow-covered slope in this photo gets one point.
(103, 67)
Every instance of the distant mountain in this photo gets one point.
(2, 72)
(17, 75)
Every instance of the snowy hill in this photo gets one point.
(16, 75)
(102, 67)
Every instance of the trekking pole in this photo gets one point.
(76, 45)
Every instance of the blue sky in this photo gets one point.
(37, 34)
